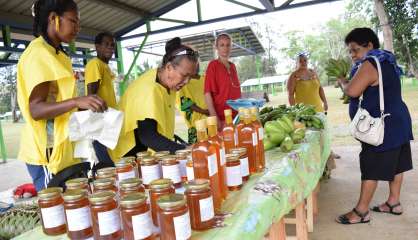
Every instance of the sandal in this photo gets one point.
(343, 219)
(391, 207)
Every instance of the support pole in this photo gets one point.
(199, 10)
(72, 47)
(2, 145)
(7, 40)
(258, 66)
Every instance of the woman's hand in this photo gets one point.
(325, 105)
(92, 102)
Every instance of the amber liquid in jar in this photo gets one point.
(217, 142)
(125, 170)
(182, 157)
(233, 172)
(200, 203)
(105, 184)
(131, 185)
(139, 157)
(158, 188)
(174, 217)
(228, 132)
(260, 136)
(77, 214)
(171, 169)
(106, 216)
(78, 183)
(243, 158)
(205, 163)
(247, 138)
(51, 205)
(150, 169)
(136, 217)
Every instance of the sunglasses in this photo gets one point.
(185, 52)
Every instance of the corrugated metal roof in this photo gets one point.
(265, 80)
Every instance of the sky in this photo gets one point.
(305, 19)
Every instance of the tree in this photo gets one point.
(9, 90)
(384, 23)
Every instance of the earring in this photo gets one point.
(57, 23)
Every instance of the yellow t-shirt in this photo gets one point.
(195, 91)
(145, 98)
(307, 92)
(40, 63)
(98, 71)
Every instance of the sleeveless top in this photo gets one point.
(307, 92)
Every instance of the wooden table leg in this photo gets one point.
(278, 230)
(301, 230)
(310, 212)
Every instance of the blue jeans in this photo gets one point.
(39, 176)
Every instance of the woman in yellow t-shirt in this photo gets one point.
(46, 87)
(98, 79)
(149, 103)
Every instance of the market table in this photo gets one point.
(293, 176)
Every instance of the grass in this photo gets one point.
(337, 118)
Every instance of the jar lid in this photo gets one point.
(239, 151)
(106, 171)
(101, 197)
(171, 200)
(74, 194)
(142, 154)
(122, 163)
(227, 112)
(197, 184)
(212, 120)
(183, 153)
(76, 182)
(49, 193)
(148, 160)
(201, 125)
(161, 154)
(130, 182)
(232, 157)
(168, 159)
(161, 183)
(103, 182)
(132, 199)
(107, 175)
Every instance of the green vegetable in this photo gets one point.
(287, 144)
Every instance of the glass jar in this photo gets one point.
(125, 170)
(130, 185)
(77, 214)
(105, 184)
(243, 158)
(78, 183)
(51, 204)
(150, 170)
(182, 157)
(171, 169)
(106, 173)
(189, 170)
(174, 217)
(233, 172)
(158, 188)
(105, 215)
(200, 203)
(139, 157)
(136, 217)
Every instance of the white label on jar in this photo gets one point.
(190, 173)
(206, 209)
(53, 216)
(245, 170)
(212, 165)
(78, 219)
(109, 222)
(233, 176)
(182, 226)
(150, 173)
(183, 167)
(125, 175)
(223, 161)
(172, 172)
(236, 137)
(255, 139)
(261, 133)
(142, 225)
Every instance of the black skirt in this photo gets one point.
(384, 166)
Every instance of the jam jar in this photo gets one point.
(200, 203)
(243, 158)
(105, 184)
(78, 183)
(77, 214)
(124, 170)
(189, 170)
(182, 157)
(171, 169)
(130, 185)
(105, 215)
(158, 188)
(174, 218)
(51, 204)
(139, 157)
(233, 172)
(150, 170)
(106, 172)
(136, 217)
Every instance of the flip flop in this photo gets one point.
(391, 207)
(343, 219)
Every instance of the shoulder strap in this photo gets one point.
(381, 94)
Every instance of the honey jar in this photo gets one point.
(125, 170)
(130, 185)
(233, 172)
(174, 218)
(243, 158)
(108, 172)
(139, 157)
(78, 183)
(77, 214)
(189, 170)
(171, 169)
(158, 188)
(150, 170)
(105, 184)
(200, 203)
(182, 157)
(51, 205)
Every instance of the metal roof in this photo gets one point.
(244, 42)
(265, 80)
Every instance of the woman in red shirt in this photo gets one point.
(221, 82)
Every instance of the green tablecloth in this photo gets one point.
(296, 174)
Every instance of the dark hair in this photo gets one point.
(41, 10)
(173, 48)
(362, 36)
(99, 37)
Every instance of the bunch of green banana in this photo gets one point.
(338, 68)
(277, 131)
(311, 121)
(298, 135)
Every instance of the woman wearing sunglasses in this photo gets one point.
(149, 103)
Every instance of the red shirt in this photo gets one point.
(222, 85)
